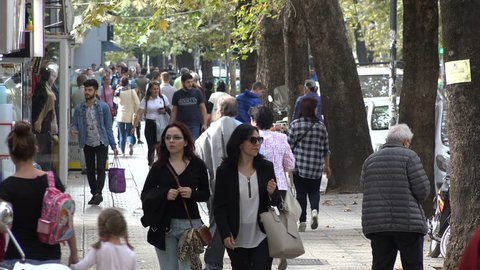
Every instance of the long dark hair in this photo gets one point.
(162, 151)
(307, 108)
(148, 95)
(242, 133)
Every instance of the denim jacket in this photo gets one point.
(104, 119)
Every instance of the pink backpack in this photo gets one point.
(55, 225)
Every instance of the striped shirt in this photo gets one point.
(311, 149)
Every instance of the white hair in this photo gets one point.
(399, 133)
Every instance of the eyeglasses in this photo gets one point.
(255, 140)
(175, 138)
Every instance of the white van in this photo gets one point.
(378, 116)
(374, 82)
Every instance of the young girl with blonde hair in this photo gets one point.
(109, 253)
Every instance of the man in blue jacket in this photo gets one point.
(92, 123)
(248, 99)
(310, 91)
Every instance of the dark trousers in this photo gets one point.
(256, 258)
(304, 187)
(151, 137)
(96, 159)
(214, 254)
(385, 246)
(138, 128)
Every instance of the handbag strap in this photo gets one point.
(175, 175)
(116, 162)
(303, 136)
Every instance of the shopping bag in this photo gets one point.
(116, 177)
(291, 205)
(282, 234)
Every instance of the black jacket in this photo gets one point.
(226, 205)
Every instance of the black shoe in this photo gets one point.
(139, 142)
(96, 199)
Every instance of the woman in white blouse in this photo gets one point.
(153, 107)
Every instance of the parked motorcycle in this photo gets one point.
(6, 218)
(439, 224)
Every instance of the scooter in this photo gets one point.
(439, 224)
(6, 218)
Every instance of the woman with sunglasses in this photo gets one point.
(163, 198)
(245, 187)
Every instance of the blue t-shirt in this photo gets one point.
(188, 106)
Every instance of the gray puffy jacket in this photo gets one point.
(394, 184)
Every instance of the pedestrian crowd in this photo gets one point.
(208, 146)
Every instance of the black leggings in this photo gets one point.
(151, 137)
(256, 258)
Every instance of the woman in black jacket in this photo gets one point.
(245, 187)
(163, 199)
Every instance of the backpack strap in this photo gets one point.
(51, 179)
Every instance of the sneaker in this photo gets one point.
(139, 142)
(131, 149)
(302, 227)
(314, 222)
(283, 264)
(96, 199)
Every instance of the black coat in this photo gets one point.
(226, 205)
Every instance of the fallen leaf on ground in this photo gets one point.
(354, 203)
(327, 203)
(346, 209)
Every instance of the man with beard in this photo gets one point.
(189, 107)
(92, 123)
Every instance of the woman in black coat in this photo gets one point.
(245, 187)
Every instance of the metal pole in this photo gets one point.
(393, 62)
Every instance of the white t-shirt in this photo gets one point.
(167, 90)
(153, 105)
(108, 257)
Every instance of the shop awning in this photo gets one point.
(110, 46)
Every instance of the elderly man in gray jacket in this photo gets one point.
(394, 185)
(211, 148)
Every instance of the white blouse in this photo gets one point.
(153, 105)
(249, 233)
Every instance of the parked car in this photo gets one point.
(442, 146)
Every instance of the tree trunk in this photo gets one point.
(248, 71)
(296, 52)
(461, 41)
(271, 56)
(419, 91)
(343, 106)
(207, 73)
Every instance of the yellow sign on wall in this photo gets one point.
(458, 71)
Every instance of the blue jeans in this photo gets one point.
(304, 187)
(195, 130)
(168, 257)
(124, 135)
(10, 263)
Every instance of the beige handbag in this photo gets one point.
(282, 234)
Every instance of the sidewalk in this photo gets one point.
(338, 243)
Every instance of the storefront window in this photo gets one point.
(45, 109)
(10, 110)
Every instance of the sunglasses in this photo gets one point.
(255, 140)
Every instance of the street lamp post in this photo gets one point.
(393, 62)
